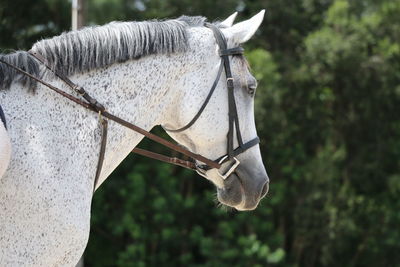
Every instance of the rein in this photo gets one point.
(93, 105)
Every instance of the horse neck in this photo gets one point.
(139, 91)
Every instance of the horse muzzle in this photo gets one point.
(240, 193)
(238, 185)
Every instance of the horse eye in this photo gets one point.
(251, 89)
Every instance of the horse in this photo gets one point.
(149, 73)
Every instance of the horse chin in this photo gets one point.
(234, 194)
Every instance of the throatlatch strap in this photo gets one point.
(221, 67)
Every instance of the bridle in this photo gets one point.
(224, 53)
(92, 104)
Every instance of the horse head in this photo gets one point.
(242, 179)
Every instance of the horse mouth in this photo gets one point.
(238, 194)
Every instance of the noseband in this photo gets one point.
(92, 104)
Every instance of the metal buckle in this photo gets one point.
(79, 89)
(229, 82)
(203, 172)
(231, 169)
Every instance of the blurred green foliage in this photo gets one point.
(327, 111)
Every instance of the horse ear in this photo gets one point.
(241, 32)
(229, 21)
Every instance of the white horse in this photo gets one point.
(149, 73)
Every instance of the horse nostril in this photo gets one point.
(264, 190)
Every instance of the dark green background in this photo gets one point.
(327, 111)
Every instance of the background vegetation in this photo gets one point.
(327, 109)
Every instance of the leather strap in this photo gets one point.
(243, 148)
(183, 163)
(237, 151)
(231, 51)
(162, 141)
(104, 113)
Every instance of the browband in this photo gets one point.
(231, 51)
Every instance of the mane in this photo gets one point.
(99, 46)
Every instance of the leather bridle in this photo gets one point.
(92, 104)
(224, 53)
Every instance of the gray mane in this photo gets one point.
(99, 46)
